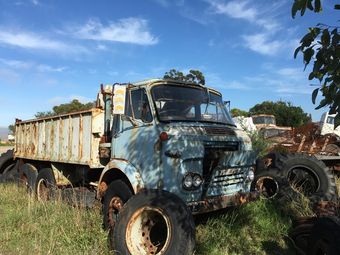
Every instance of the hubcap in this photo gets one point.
(148, 232)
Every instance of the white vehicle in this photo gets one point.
(327, 124)
(245, 123)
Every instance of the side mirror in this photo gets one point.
(227, 104)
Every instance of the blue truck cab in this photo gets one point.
(178, 137)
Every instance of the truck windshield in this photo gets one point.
(179, 103)
(264, 120)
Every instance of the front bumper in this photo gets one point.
(220, 202)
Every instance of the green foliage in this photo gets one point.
(73, 106)
(238, 112)
(285, 113)
(302, 5)
(261, 146)
(11, 129)
(322, 46)
(194, 76)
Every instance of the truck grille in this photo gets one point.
(225, 178)
(219, 131)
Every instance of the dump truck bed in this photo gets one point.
(70, 138)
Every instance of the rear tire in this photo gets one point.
(45, 185)
(10, 173)
(27, 177)
(116, 195)
(154, 222)
(6, 159)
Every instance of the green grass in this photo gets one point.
(31, 227)
(256, 228)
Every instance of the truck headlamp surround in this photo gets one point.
(192, 181)
(197, 180)
(251, 174)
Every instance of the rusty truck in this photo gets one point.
(153, 152)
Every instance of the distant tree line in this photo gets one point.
(73, 106)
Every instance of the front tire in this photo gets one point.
(154, 222)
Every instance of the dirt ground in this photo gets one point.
(5, 148)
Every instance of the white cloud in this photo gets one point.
(289, 72)
(35, 2)
(101, 47)
(130, 30)
(8, 76)
(28, 40)
(234, 9)
(235, 85)
(19, 64)
(241, 9)
(47, 68)
(261, 43)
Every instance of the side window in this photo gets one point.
(137, 105)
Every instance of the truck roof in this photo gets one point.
(150, 82)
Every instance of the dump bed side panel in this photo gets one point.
(70, 138)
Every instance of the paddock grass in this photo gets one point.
(28, 226)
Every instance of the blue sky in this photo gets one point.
(54, 51)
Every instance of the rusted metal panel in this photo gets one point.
(69, 138)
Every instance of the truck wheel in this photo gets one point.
(115, 197)
(267, 184)
(45, 184)
(325, 237)
(307, 175)
(10, 173)
(27, 177)
(153, 222)
(271, 185)
(5, 159)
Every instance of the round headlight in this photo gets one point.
(187, 182)
(251, 175)
(197, 181)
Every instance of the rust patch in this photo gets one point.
(219, 202)
(102, 188)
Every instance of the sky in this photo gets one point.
(54, 51)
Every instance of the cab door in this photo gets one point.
(137, 137)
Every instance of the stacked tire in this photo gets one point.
(286, 176)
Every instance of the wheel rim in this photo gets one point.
(267, 186)
(148, 232)
(42, 190)
(304, 180)
(115, 206)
